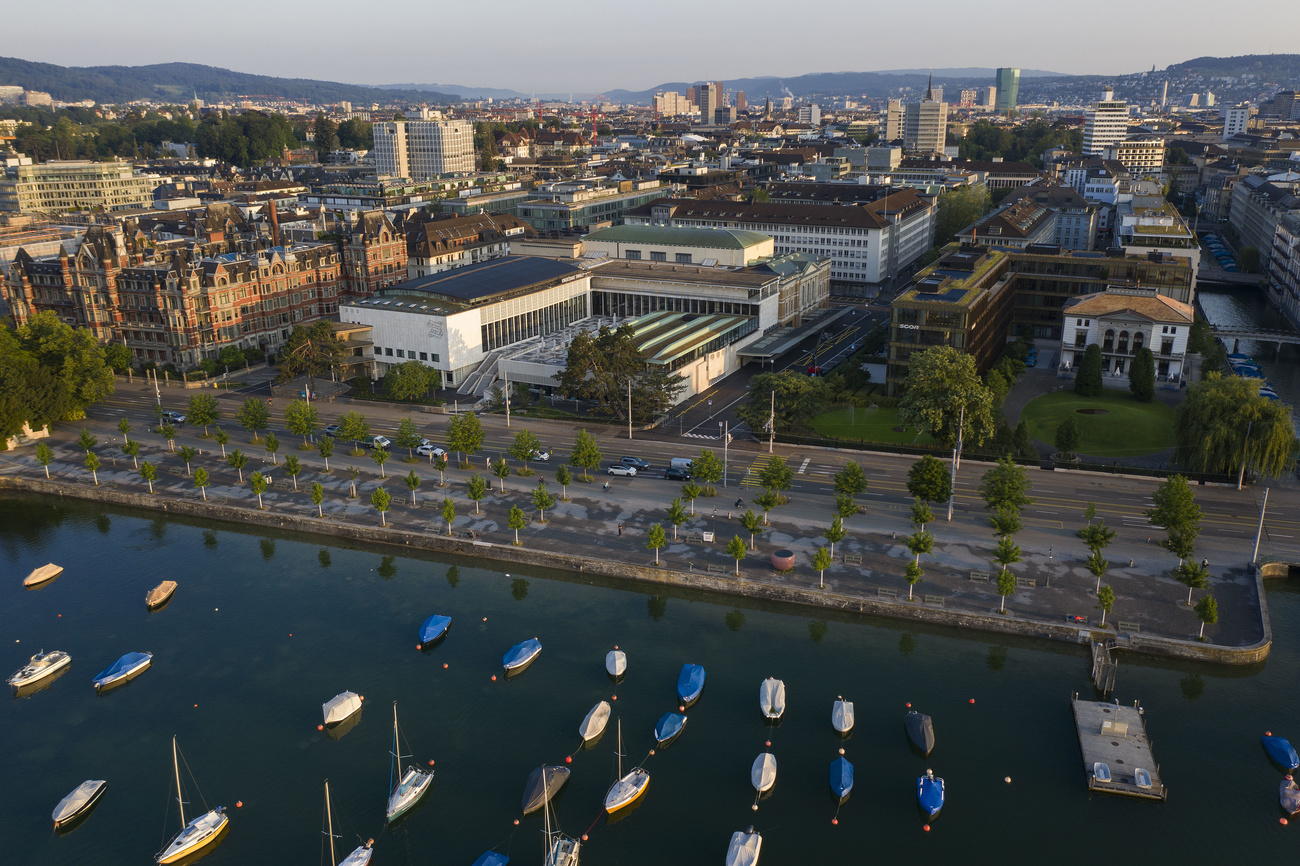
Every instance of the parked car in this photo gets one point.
(620, 469)
(541, 455)
(634, 462)
(430, 450)
(332, 430)
(674, 473)
(173, 418)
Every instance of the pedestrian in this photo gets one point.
(740, 503)
(620, 529)
(1205, 563)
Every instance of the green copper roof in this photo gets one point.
(727, 239)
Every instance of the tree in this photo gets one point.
(524, 446)
(124, 426)
(238, 460)
(1224, 424)
(118, 356)
(203, 410)
(465, 434)
(410, 381)
(353, 427)
(187, 454)
(707, 467)
(257, 481)
(1087, 376)
(1005, 486)
(292, 466)
(751, 522)
(381, 499)
(776, 475)
(1207, 611)
(1142, 376)
(516, 520)
(326, 135)
(797, 398)
(380, 456)
(822, 559)
(440, 463)
(958, 209)
(301, 419)
(1176, 510)
(448, 512)
(132, 450)
(1006, 585)
(201, 482)
(845, 506)
(604, 367)
(1006, 554)
(1105, 601)
(543, 499)
(325, 447)
(564, 478)
(50, 372)
(1005, 522)
(222, 437)
(408, 437)
(944, 392)
(86, 440)
(767, 500)
(311, 350)
(676, 515)
(318, 497)
(851, 480)
(1192, 575)
(736, 549)
(929, 479)
(835, 532)
(44, 456)
(1096, 536)
(912, 573)
(253, 415)
(353, 474)
(272, 446)
(655, 540)
(1067, 436)
(477, 490)
(501, 470)
(149, 473)
(412, 482)
(921, 513)
(586, 453)
(168, 432)
(92, 463)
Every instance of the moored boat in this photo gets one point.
(491, 858)
(159, 595)
(126, 668)
(40, 666)
(361, 855)
(841, 778)
(411, 784)
(521, 655)
(616, 662)
(1101, 772)
(340, 708)
(669, 727)
(628, 788)
(920, 730)
(1141, 777)
(79, 803)
(593, 725)
(197, 834)
(842, 715)
(45, 573)
(1288, 796)
(543, 782)
(929, 793)
(744, 848)
(561, 850)
(1280, 751)
(690, 683)
(433, 628)
(762, 775)
(771, 698)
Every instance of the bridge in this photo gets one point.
(1263, 335)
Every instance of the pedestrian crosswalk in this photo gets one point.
(751, 476)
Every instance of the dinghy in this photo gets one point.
(159, 595)
(1280, 751)
(1101, 772)
(920, 730)
(1288, 795)
(628, 788)
(491, 858)
(841, 778)
(771, 698)
(543, 782)
(521, 655)
(341, 707)
(40, 666)
(668, 727)
(744, 848)
(929, 793)
(198, 833)
(616, 663)
(594, 724)
(433, 628)
(41, 575)
(411, 785)
(360, 855)
(762, 775)
(1141, 778)
(842, 715)
(79, 802)
(690, 682)
(128, 667)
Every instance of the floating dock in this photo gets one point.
(1117, 737)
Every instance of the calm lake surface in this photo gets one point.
(265, 628)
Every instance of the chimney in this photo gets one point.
(275, 222)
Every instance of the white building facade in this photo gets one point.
(1122, 321)
(1105, 123)
(423, 149)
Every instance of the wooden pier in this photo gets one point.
(1117, 737)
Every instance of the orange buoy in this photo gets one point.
(584, 837)
(444, 666)
(841, 751)
(613, 697)
(516, 822)
(431, 762)
(926, 828)
(835, 820)
(494, 678)
(652, 751)
(768, 744)
(615, 646)
(972, 700)
(196, 706)
(1282, 821)
(320, 727)
(419, 646)
(568, 759)
(485, 619)
(1266, 733)
(681, 709)
(909, 705)
(239, 804)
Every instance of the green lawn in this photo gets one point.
(870, 424)
(1127, 429)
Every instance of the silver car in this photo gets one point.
(620, 469)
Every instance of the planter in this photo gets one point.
(783, 560)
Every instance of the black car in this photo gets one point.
(635, 462)
(675, 474)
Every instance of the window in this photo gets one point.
(388, 352)
(434, 358)
(634, 255)
(683, 258)
(658, 257)
(401, 354)
(424, 356)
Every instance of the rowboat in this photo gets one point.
(160, 594)
(128, 667)
(42, 574)
(920, 730)
(40, 666)
(929, 793)
(763, 773)
(1141, 777)
(1101, 772)
(433, 629)
(841, 778)
(668, 727)
(842, 715)
(79, 802)
(771, 698)
(616, 662)
(1280, 750)
(1288, 795)
(594, 724)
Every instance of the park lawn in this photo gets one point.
(870, 424)
(1128, 429)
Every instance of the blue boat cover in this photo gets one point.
(125, 663)
(929, 793)
(690, 682)
(1279, 749)
(434, 627)
(491, 858)
(521, 652)
(669, 726)
(841, 777)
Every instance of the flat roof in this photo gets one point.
(488, 279)
(728, 239)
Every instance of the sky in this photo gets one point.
(593, 47)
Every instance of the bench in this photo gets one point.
(852, 559)
(1129, 626)
(692, 538)
(980, 576)
(1026, 581)
(714, 568)
(886, 593)
(934, 599)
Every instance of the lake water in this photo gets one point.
(265, 628)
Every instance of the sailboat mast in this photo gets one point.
(620, 747)
(329, 819)
(180, 799)
(397, 747)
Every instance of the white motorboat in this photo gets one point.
(79, 802)
(361, 855)
(40, 666)
(40, 575)
(842, 715)
(160, 594)
(763, 774)
(198, 833)
(771, 698)
(744, 848)
(616, 662)
(340, 707)
(629, 787)
(411, 785)
(594, 724)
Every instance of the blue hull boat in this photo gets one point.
(491, 858)
(1280, 751)
(668, 727)
(690, 682)
(433, 628)
(127, 667)
(841, 778)
(521, 654)
(929, 793)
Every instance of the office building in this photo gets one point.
(811, 114)
(968, 98)
(893, 121)
(708, 96)
(990, 98)
(1139, 156)
(1235, 121)
(925, 125)
(1008, 85)
(423, 149)
(741, 103)
(72, 184)
(1105, 123)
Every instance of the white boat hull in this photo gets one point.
(594, 724)
(359, 857)
(616, 663)
(842, 716)
(413, 786)
(41, 665)
(771, 698)
(627, 790)
(340, 707)
(763, 774)
(79, 801)
(195, 836)
(744, 848)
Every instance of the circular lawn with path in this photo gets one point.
(1112, 425)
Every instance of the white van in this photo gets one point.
(682, 463)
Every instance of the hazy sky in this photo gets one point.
(595, 46)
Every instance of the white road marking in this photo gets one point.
(804, 465)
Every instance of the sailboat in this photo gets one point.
(561, 850)
(359, 857)
(628, 788)
(198, 833)
(411, 785)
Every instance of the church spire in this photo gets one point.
(929, 88)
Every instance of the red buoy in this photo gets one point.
(516, 822)
(584, 837)
(613, 697)
(431, 762)
(768, 744)
(568, 759)
(239, 804)
(1266, 733)
(419, 646)
(494, 678)
(320, 727)
(444, 666)
(909, 705)
(972, 700)
(1282, 821)
(835, 820)
(926, 828)
(681, 709)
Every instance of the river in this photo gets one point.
(265, 628)
(1249, 307)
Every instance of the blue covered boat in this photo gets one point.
(521, 654)
(690, 682)
(1280, 751)
(929, 793)
(126, 668)
(433, 628)
(841, 778)
(668, 727)
(491, 858)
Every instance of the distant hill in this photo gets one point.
(179, 81)
(466, 92)
(977, 72)
(1281, 68)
